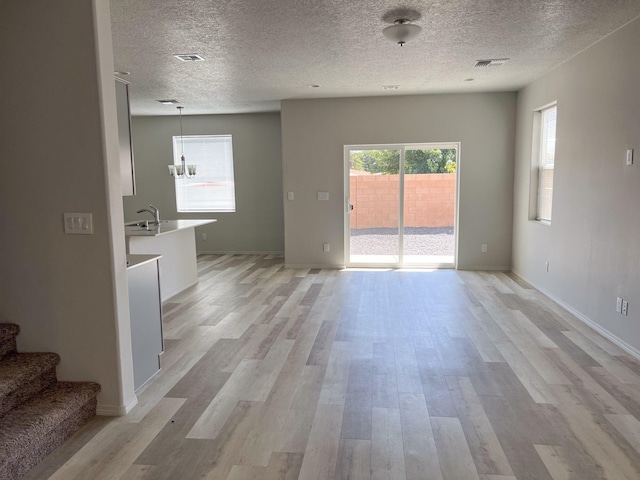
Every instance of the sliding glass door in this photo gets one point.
(400, 205)
(374, 211)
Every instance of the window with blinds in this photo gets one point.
(213, 187)
(547, 156)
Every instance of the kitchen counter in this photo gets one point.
(137, 260)
(175, 241)
(166, 226)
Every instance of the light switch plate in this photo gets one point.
(629, 159)
(78, 223)
(619, 305)
(289, 195)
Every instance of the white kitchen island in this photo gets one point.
(175, 240)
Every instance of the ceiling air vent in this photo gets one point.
(189, 57)
(168, 102)
(494, 62)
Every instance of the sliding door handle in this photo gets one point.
(348, 205)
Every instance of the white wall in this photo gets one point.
(257, 224)
(58, 140)
(314, 133)
(593, 243)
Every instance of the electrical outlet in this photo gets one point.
(625, 307)
(483, 248)
(204, 236)
(629, 158)
(289, 195)
(323, 195)
(546, 265)
(619, 305)
(325, 247)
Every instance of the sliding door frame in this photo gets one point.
(401, 147)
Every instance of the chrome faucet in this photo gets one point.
(153, 211)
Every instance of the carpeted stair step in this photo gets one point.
(31, 431)
(24, 375)
(8, 333)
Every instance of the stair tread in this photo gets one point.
(37, 413)
(21, 367)
(41, 414)
(8, 330)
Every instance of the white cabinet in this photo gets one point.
(145, 310)
(127, 170)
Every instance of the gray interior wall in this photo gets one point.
(593, 241)
(314, 133)
(58, 141)
(257, 224)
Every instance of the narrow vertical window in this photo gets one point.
(546, 161)
(213, 187)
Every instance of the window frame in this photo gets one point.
(229, 168)
(540, 167)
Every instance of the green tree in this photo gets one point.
(430, 161)
(450, 160)
(387, 162)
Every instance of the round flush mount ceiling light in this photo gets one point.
(401, 31)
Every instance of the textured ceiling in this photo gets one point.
(258, 52)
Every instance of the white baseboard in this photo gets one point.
(631, 350)
(228, 252)
(341, 267)
(117, 410)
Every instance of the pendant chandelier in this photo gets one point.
(182, 170)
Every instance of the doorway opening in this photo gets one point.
(401, 205)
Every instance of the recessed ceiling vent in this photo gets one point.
(189, 57)
(494, 62)
(169, 102)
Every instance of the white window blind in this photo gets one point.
(547, 160)
(213, 187)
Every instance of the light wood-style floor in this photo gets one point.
(272, 373)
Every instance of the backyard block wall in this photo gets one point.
(429, 200)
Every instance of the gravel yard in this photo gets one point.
(417, 241)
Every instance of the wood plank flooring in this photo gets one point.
(274, 373)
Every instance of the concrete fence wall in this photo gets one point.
(429, 200)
